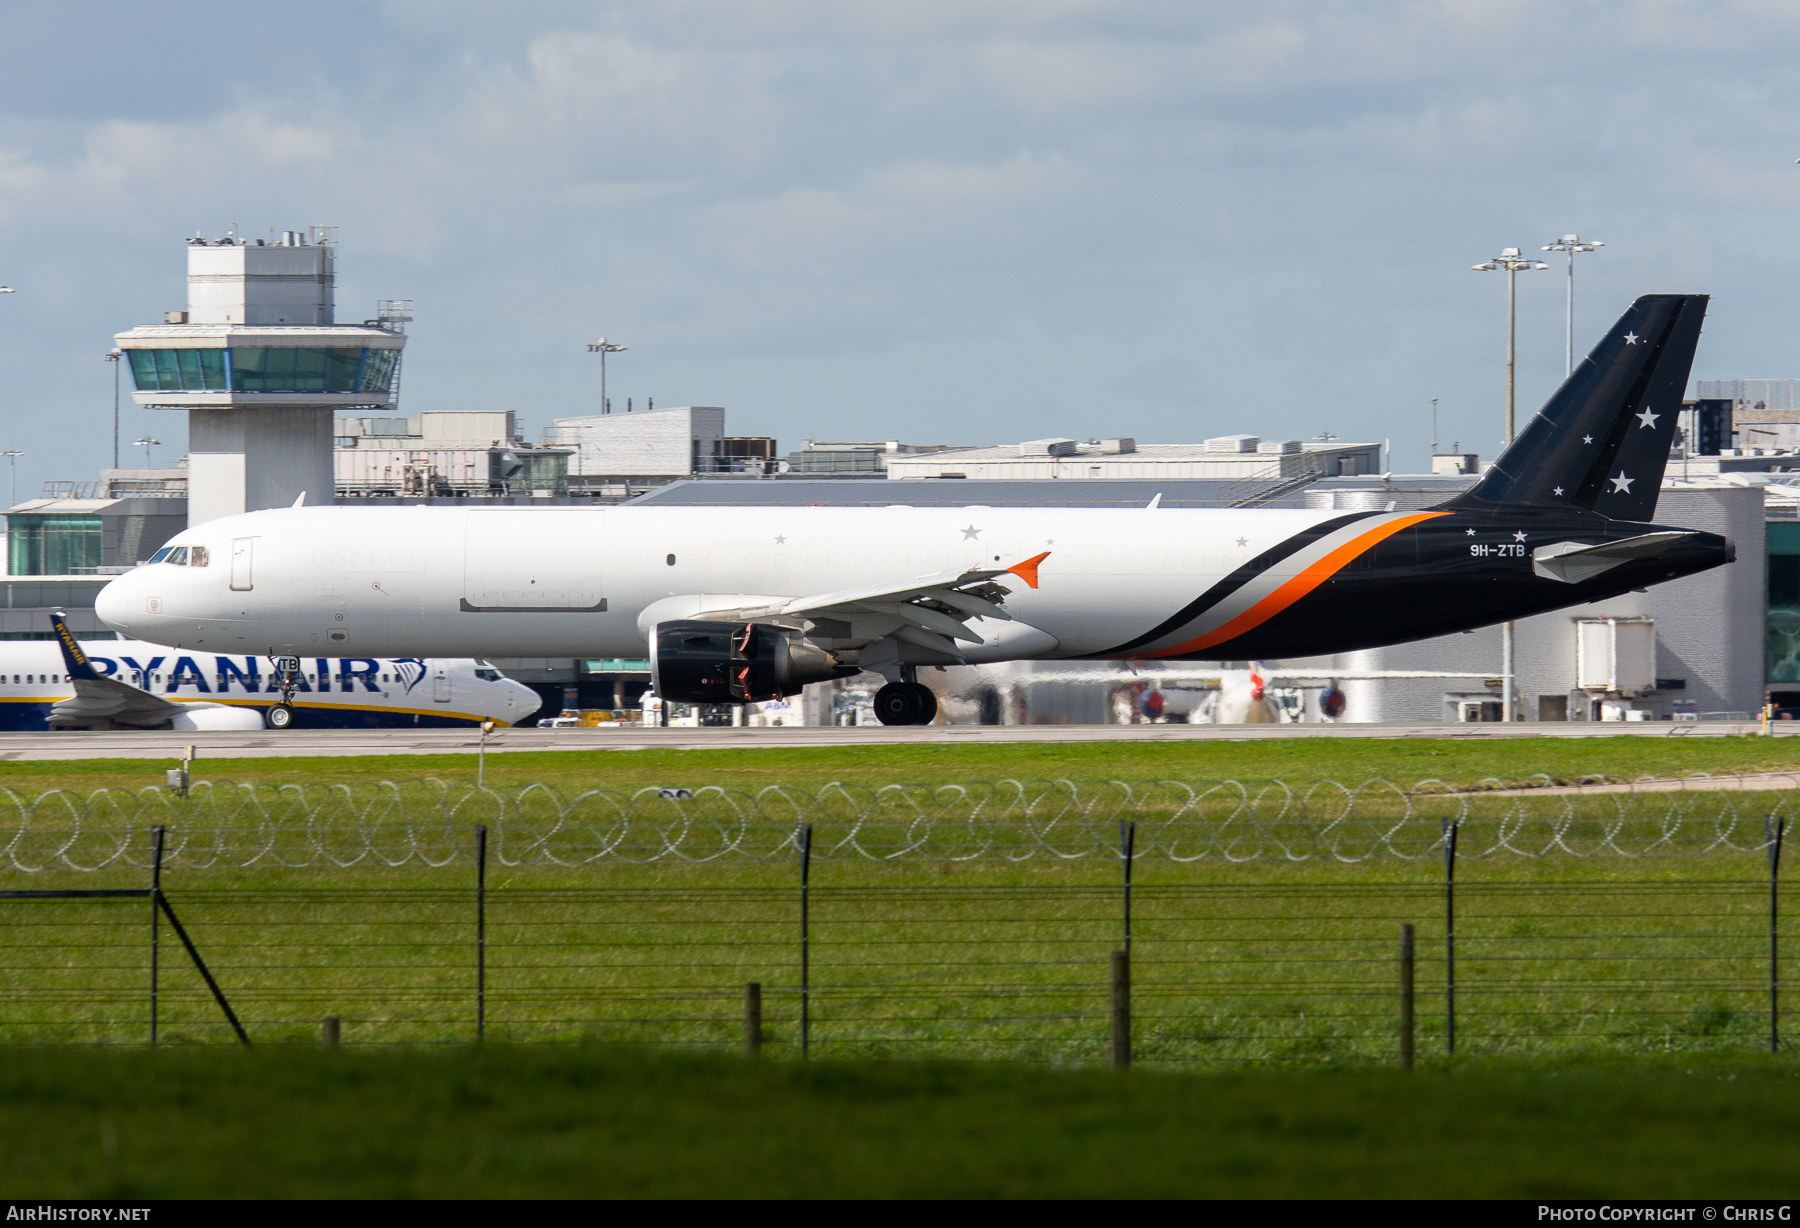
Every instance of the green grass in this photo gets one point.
(565, 1122)
(1270, 960)
(1351, 760)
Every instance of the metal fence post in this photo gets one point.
(1451, 828)
(1774, 831)
(156, 856)
(753, 1019)
(1127, 844)
(480, 932)
(1121, 1010)
(806, 834)
(1406, 996)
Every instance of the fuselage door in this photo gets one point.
(440, 685)
(532, 559)
(241, 548)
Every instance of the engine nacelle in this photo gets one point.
(697, 662)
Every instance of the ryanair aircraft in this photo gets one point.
(128, 684)
(745, 604)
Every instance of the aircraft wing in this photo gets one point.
(98, 698)
(932, 611)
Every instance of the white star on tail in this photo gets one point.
(1587, 439)
(1557, 491)
(1622, 484)
(1631, 338)
(1647, 418)
(1518, 537)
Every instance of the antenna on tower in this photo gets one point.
(394, 314)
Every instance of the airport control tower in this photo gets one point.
(261, 367)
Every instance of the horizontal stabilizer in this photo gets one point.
(1574, 562)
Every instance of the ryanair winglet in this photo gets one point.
(80, 670)
(1027, 571)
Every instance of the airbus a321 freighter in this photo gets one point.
(750, 603)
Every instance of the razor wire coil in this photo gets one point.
(428, 823)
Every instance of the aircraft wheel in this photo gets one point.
(279, 716)
(897, 703)
(928, 705)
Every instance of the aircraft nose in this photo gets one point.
(113, 604)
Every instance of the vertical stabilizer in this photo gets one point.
(1602, 441)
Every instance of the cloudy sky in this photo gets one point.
(970, 222)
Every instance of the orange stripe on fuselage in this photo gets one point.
(1298, 587)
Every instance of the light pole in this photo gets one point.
(114, 357)
(12, 456)
(1571, 244)
(146, 443)
(603, 347)
(1512, 264)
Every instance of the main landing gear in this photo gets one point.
(905, 703)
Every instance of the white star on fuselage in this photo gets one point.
(1631, 338)
(1621, 485)
(1647, 418)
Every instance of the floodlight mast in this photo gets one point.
(1512, 263)
(603, 347)
(1571, 244)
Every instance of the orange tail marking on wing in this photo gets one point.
(1027, 571)
(1299, 586)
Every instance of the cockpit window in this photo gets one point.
(160, 555)
(178, 556)
(488, 675)
(198, 556)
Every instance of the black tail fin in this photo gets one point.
(1602, 441)
(74, 660)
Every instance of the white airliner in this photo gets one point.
(746, 604)
(129, 684)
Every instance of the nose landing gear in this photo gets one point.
(287, 680)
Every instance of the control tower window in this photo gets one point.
(264, 369)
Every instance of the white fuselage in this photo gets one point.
(434, 581)
(341, 689)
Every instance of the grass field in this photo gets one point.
(1285, 958)
(1343, 759)
(506, 1121)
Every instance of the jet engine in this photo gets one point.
(735, 663)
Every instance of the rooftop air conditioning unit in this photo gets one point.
(1279, 447)
(1112, 447)
(1232, 443)
(1047, 447)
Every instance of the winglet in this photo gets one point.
(1027, 571)
(75, 659)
